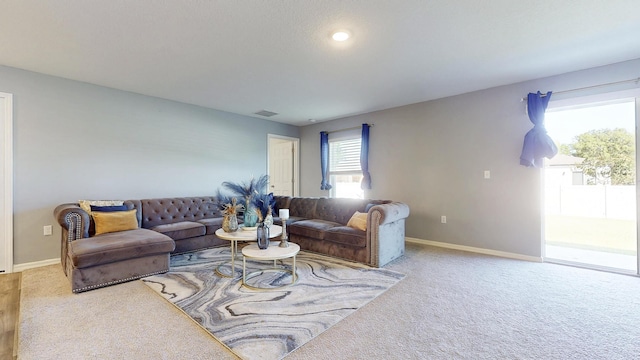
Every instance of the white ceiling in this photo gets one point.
(251, 55)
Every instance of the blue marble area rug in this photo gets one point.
(269, 324)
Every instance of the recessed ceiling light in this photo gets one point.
(340, 35)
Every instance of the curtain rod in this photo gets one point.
(351, 128)
(636, 80)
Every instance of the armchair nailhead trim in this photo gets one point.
(76, 229)
(117, 281)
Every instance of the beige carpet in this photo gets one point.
(451, 305)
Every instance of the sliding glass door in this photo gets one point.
(590, 187)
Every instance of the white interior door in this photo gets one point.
(6, 183)
(282, 166)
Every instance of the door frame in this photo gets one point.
(6, 238)
(296, 159)
(637, 184)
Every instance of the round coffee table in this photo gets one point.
(241, 235)
(273, 252)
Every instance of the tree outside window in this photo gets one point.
(609, 156)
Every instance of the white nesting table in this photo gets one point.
(273, 252)
(241, 235)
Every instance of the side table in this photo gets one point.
(273, 252)
(241, 235)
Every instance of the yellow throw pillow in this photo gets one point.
(358, 221)
(107, 222)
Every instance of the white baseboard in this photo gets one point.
(475, 250)
(35, 264)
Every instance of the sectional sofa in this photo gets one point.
(164, 226)
(145, 233)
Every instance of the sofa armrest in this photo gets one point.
(73, 220)
(385, 232)
(389, 212)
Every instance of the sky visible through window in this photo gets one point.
(564, 125)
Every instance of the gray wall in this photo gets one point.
(74, 141)
(432, 156)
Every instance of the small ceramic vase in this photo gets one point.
(230, 223)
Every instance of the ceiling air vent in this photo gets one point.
(266, 113)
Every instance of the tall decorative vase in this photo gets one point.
(230, 223)
(250, 216)
(262, 236)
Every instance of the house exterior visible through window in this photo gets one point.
(345, 172)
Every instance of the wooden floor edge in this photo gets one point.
(11, 290)
(16, 334)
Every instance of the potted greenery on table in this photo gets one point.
(229, 207)
(248, 192)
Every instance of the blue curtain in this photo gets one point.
(537, 144)
(364, 158)
(324, 160)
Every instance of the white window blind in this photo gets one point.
(344, 155)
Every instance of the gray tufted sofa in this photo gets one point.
(169, 225)
(320, 225)
(177, 225)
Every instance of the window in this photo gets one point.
(345, 173)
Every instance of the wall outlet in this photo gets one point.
(47, 230)
(487, 174)
(443, 219)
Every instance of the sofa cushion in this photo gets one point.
(116, 246)
(303, 207)
(211, 225)
(181, 230)
(311, 228)
(346, 235)
(358, 221)
(129, 204)
(107, 222)
(290, 220)
(338, 209)
(172, 210)
(86, 204)
(109, 208)
(293, 219)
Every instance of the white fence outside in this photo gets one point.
(604, 201)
